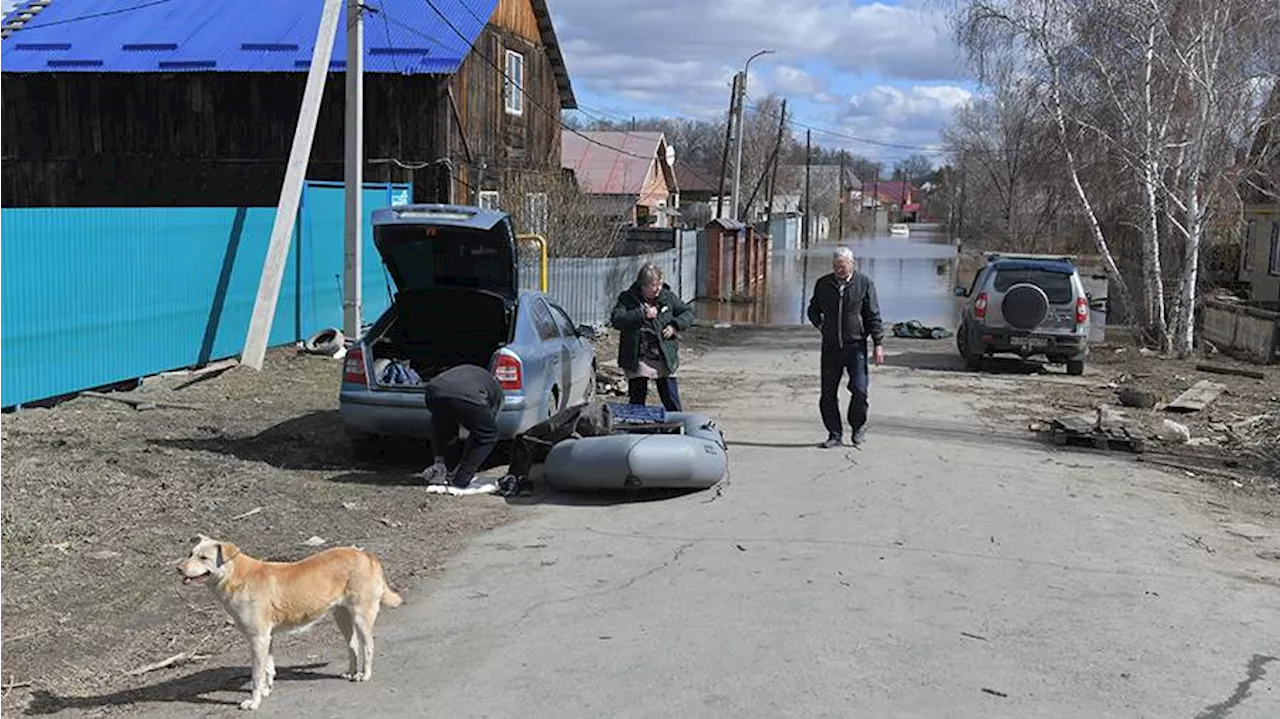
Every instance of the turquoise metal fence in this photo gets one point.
(94, 296)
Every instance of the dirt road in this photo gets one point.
(955, 566)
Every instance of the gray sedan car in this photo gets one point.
(458, 302)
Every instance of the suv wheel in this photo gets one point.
(1075, 367)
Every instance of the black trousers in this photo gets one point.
(448, 414)
(851, 358)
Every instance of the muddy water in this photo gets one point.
(913, 277)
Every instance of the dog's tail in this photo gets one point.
(390, 597)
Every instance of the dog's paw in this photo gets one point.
(356, 677)
(250, 704)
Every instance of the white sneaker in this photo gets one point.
(479, 485)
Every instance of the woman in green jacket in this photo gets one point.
(648, 316)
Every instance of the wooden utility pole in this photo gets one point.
(842, 198)
(808, 160)
(773, 169)
(264, 306)
(353, 234)
(728, 134)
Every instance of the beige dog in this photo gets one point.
(263, 597)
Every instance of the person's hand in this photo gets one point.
(879, 355)
(650, 312)
(668, 332)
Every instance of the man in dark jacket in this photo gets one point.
(845, 308)
(649, 315)
(463, 396)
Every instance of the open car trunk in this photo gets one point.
(455, 272)
(433, 330)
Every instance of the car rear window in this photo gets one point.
(427, 256)
(1056, 286)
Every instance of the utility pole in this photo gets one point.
(353, 235)
(264, 305)
(808, 160)
(843, 197)
(724, 157)
(773, 169)
(742, 97)
(737, 162)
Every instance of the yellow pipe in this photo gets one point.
(542, 248)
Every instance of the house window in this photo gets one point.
(488, 200)
(535, 212)
(513, 85)
(1250, 242)
(1273, 263)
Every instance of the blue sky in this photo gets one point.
(887, 71)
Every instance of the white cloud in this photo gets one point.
(912, 116)
(677, 53)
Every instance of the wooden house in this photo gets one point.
(196, 103)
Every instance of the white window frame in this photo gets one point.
(513, 83)
(1273, 259)
(488, 200)
(536, 212)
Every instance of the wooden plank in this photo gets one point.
(264, 306)
(1199, 396)
(1237, 371)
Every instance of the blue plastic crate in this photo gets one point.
(637, 414)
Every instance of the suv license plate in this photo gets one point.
(1029, 342)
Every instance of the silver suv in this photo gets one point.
(1026, 305)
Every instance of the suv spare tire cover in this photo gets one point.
(1025, 306)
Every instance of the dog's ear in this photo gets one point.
(227, 552)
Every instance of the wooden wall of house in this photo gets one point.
(488, 146)
(203, 139)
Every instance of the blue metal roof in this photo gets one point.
(400, 36)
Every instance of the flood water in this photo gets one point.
(913, 276)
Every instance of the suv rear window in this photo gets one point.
(1056, 285)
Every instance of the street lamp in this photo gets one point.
(742, 97)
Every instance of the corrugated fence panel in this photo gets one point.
(588, 287)
(93, 296)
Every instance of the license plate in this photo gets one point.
(1029, 342)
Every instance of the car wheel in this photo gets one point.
(1075, 367)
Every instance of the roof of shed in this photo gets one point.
(401, 36)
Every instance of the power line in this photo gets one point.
(853, 138)
(106, 13)
(554, 115)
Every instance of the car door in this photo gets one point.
(555, 352)
(580, 353)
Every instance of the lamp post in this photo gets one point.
(737, 163)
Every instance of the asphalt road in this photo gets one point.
(948, 569)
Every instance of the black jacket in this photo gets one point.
(628, 317)
(468, 383)
(849, 316)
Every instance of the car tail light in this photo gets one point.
(353, 369)
(506, 367)
(1082, 310)
(980, 306)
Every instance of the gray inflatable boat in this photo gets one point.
(686, 452)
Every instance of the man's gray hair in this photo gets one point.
(843, 253)
(649, 273)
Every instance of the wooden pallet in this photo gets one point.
(1077, 433)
